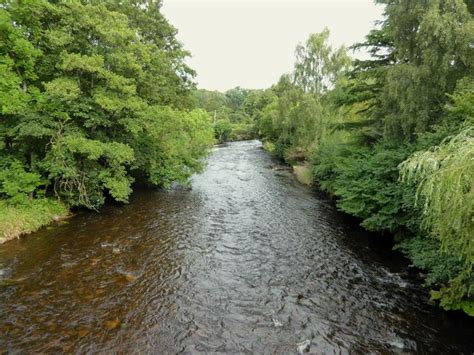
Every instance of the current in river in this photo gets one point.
(245, 261)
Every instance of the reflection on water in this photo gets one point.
(246, 261)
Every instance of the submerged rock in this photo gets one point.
(129, 277)
(303, 346)
(276, 322)
(112, 323)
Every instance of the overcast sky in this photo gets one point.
(251, 43)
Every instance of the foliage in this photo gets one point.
(446, 178)
(446, 173)
(235, 98)
(317, 65)
(214, 102)
(222, 130)
(444, 268)
(94, 96)
(374, 193)
(242, 132)
(296, 117)
(16, 184)
(433, 51)
(235, 113)
(172, 146)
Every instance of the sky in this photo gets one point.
(251, 43)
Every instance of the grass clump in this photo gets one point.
(18, 219)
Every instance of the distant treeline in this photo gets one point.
(233, 113)
(392, 137)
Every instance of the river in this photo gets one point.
(246, 261)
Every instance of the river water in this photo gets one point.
(247, 261)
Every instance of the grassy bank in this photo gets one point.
(27, 218)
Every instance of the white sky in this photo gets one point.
(251, 43)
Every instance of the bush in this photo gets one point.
(366, 184)
(16, 184)
(222, 131)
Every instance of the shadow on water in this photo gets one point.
(246, 261)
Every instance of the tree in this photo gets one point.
(90, 95)
(222, 130)
(445, 178)
(433, 50)
(317, 65)
(235, 98)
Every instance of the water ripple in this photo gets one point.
(248, 261)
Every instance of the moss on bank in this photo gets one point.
(16, 220)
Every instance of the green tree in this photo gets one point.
(445, 178)
(318, 65)
(236, 98)
(298, 117)
(433, 50)
(222, 130)
(90, 97)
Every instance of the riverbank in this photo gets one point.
(29, 217)
(301, 170)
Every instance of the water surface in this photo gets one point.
(247, 261)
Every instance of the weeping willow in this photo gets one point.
(445, 178)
